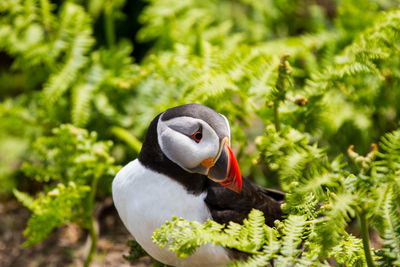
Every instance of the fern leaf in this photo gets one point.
(390, 230)
(331, 226)
(82, 95)
(256, 232)
(25, 199)
(75, 35)
(349, 251)
(388, 164)
(59, 206)
(292, 237)
(184, 237)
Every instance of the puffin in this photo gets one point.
(187, 169)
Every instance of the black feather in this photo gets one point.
(226, 205)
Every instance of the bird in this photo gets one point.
(187, 169)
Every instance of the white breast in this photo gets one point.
(146, 199)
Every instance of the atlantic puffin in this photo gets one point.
(187, 169)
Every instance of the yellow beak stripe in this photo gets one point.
(208, 163)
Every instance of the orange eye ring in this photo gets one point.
(197, 136)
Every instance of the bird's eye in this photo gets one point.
(197, 135)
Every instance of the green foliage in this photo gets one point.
(185, 237)
(71, 154)
(135, 252)
(349, 251)
(67, 63)
(320, 231)
(61, 205)
(389, 226)
(241, 21)
(253, 237)
(324, 194)
(388, 220)
(71, 162)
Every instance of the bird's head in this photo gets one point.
(197, 139)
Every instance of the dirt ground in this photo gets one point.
(67, 245)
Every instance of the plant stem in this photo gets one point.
(109, 24)
(276, 116)
(283, 70)
(92, 230)
(365, 238)
(128, 138)
(93, 245)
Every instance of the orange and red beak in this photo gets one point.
(225, 170)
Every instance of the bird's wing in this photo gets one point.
(226, 205)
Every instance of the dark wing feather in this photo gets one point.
(226, 205)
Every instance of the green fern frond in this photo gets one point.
(299, 203)
(71, 154)
(349, 251)
(75, 41)
(293, 233)
(269, 252)
(250, 235)
(72, 163)
(331, 226)
(376, 42)
(184, 237)
(352, 69)
(389, 226)
(82, 95)
(25, 199)
(256, 230)
(26, 37)
(388, 164)
(59, 206)
(264, 244)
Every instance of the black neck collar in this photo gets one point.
(153, 158)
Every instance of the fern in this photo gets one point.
(253, 237)
(25, 37)
(390, 228)
(184, 237)
(82, 96)
(75, 41)
(59, 206)
(321, 230)
(386, 170)
(374, 44)
(67, 62)
(75, 162)
(388, 164)
(364, 58)
(292, 237)
(330, 228)
(349, 251)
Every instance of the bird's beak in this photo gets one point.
(226, 170)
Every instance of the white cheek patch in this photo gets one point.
(181, 148)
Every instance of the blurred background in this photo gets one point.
(110, 66)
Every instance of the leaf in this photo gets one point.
(75, 41)
(58, 207)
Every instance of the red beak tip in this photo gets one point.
(238, 190)
(234, 179)
(233, 184)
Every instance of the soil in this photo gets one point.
(67, 245)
